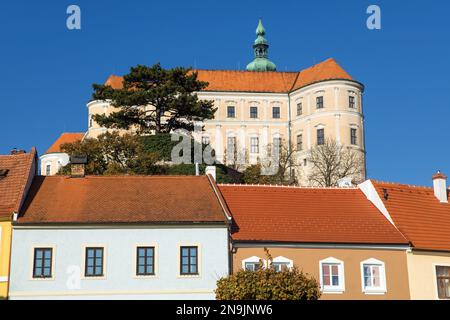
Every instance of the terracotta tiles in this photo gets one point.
(67, 137)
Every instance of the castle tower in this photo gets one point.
(260, 48)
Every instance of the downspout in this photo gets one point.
(289, 130)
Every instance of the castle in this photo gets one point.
(260, 104)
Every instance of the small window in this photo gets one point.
(280, 266)
(94, 262)
(332, 275)
(90, 121)
(299, 109)
(443, 281)
(48, 169)
(351, 102)
(145, 261)
(305, 162)
(189, 261)
(319, 102)
(320, 137)
(276, 113)
(254, 145)
(353, 138)
(373, 276)
(205, 140)
(254, 112)
(231, 112)
(299, 142)
(252, 266)
(42, 265)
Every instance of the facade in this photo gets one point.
(258, 105)
(54, 159)
(121, 237)
(17, 171)
(335, 235)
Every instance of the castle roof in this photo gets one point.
(66, 137)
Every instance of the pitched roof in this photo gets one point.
(13, 186)
(66, 137)
(418, 214)
(254, 81)
(307, 215)
(122, 199)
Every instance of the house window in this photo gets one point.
(252, 264)
(443, 282)
(332, 275)
(42, 264)
(254, 112)
(320, 137)
(353, 139)
(319, 102)
(145, 261)
(276, 112)
(47, 169)
(299, 142)
(299, 109)
(189, 260)
(231, 112)
(94, 262)
(254, 145)
(281, 263)
(351, 102)
(373, 276)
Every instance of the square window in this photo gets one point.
(94, 262)
(254, 112)
(145, 261)
(189, 261)
(231, 112)
(42, 263)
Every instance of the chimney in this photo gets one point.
(77, 166)
(197, 169)
(211, 170)
(440, 186)
(15, 151)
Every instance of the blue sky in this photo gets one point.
(47, 70)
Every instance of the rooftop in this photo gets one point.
(66, 137)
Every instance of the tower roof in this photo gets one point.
(260, 48)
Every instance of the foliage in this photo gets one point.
(170, 93)
(160, 143)
(332, 161)
(268, 284)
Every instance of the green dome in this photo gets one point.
(261, 64)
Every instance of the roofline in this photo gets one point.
(219, 197)
(112, 224)
(28, 180)
(429, 250)
(336, 245)
(328, 80)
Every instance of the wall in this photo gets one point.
(308, 259)
(55, 160)
(422, 271)
(5, 243)
(120, 281)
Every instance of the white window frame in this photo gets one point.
(257, 145)
(254, 260)
(380, 290)
(284, 260)
(333, 289)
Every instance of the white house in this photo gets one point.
(121, 237)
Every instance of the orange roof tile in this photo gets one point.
(253, 81)
(307, 215)
(122, 199)
(418, 214)
(66, 137)
(13, 186)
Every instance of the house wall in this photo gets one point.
(307, 259)
(422, 273)
(55, 160)
(120, 280)
(5, 246)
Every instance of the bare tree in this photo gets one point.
(332, 161)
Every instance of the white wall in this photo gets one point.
(120, 281)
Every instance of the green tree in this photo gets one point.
(154, 99)
(268, 284)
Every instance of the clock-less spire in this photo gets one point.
(260, 47)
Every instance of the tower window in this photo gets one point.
(231, 112)
(351, 102)
(320, 137)
(47, 170)
(254, 112)
(276, 112)
(353, 137)
(299, 142)
(319, 102)
(299, 109)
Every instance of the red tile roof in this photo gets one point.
(418, 214)
(253, 81)
(66, 137)
(307, 215)
(122, 199)
(14, 185)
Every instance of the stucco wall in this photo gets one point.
(5, 243)
(55, 160)
(422, 273)
(308, 259)
(120, 280)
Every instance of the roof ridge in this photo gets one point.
(285, 186)
(401, 184)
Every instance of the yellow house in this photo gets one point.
(16, 174)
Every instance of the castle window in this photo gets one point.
(47, 170)
(254, 145)
(320, 137)
(299, 142)
(254, 112)
(299, 109)
(319, 102)
(276, 112)
(351, 102)
(231, 146)
(353, 138)
(231, 112)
